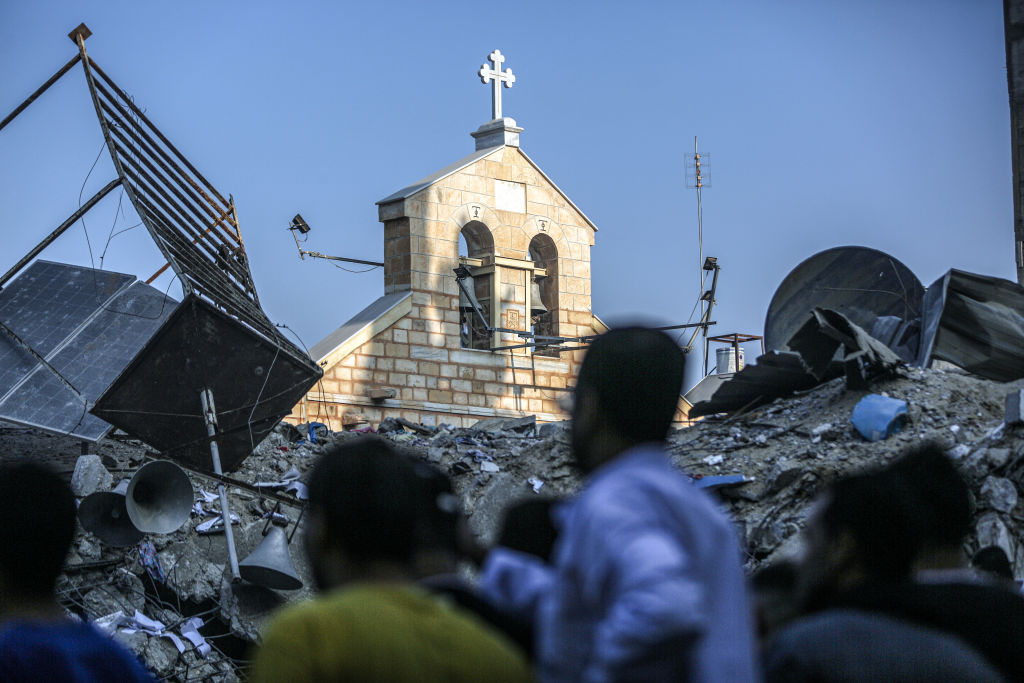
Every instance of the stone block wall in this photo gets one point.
(434, 381)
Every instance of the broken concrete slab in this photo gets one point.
(90, 476)
(999, 493)
(190, 573)
(1015, 407)
(522, 425)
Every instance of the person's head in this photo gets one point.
(865, 528)
(993, 562)
(363, 499)
(626, 393)
(529, 528)
(35, 532)
(944, 503)
(440, 524)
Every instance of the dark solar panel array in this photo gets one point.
(88, 325)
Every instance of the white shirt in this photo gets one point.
(647, 582)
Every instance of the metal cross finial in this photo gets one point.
(488, 75)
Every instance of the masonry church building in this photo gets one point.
(486, 283)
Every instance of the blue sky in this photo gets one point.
(883, 124)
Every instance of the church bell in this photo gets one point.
(536, 302)
(467, 303)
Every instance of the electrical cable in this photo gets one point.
(266, 378)
(319, 382)
(81, 191)
(348, 270)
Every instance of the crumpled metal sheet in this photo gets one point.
(975, 322)
(815, 358)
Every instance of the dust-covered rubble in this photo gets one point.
(787, 451)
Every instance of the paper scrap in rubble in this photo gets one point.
(215, 524)
(535, 483)
(287, 485)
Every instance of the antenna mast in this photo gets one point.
(697, 168)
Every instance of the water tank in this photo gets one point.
(725, 357)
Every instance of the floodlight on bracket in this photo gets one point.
(711, 266)
(299, 226)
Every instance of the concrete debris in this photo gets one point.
(90, 476)
(765, 465)
(999, 493)
(1014, 404)
(190, 574)
(522, 425)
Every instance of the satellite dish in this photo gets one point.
(861, 283)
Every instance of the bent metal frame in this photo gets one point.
(196, 230)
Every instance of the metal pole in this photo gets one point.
(210, 416)
(59, 231)
(43, 88)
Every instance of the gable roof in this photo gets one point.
(465, 161)
(362, 327)
(448, 170)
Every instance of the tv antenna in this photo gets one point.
(698, 175)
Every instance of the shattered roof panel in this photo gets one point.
(777, 373)
(354, 325)
(439, 175)
(705, 389)
(976, 322)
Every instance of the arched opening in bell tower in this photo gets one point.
(544, 288)
(475, 244)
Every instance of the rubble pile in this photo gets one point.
(791, 448)
(169, 599)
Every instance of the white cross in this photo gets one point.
(487, 75)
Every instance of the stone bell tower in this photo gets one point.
(488, 332)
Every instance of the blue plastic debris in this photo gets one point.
(316, 428)
(719, 480)
(878, 417)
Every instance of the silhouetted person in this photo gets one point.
(528, 526)
(869, 620)
(38, 642)
(943, 507)
(442, 536)
(371, 621)
(646, 582)
(517, 570)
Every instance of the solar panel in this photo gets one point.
(86, 325)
